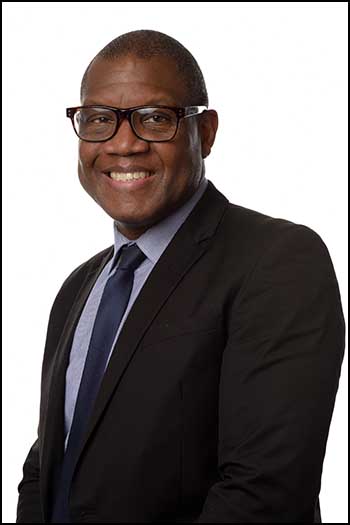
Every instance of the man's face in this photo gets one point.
(176, 166)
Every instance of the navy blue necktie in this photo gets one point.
(113, 303)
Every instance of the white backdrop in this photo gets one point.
(276, 73)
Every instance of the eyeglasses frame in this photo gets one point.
(121, 114)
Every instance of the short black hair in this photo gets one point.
(146, 43)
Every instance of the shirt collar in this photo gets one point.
(155, 240)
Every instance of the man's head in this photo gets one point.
(145, 68)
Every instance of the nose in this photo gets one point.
(125, 142)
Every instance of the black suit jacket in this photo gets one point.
(217, 401)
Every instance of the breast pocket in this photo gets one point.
(166, 330)
(180, 346)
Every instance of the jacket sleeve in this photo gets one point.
(29, 504)
(278, 383)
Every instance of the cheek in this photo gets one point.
(87, 155)
(85, 174)
(185, 162)
(178, 157)
(83, 178)
(85, 162)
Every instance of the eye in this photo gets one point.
(94, 117)
(99, 119)
(156, 118)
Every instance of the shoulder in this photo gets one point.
(279, 260)
(286, 274)
(259, 253)
(258, 234)
(242, 229)
(77, 277)
(88, 266)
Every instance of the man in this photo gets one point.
(190, 370)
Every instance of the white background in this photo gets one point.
(277, 75)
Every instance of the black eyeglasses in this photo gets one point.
(149, 123)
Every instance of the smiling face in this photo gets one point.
(175, 167)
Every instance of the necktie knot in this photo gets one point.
(131, 257)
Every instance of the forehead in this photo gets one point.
(129, 81)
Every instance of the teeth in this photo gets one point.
(129, 176)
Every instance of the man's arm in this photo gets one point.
(29, 504)
(279, 379)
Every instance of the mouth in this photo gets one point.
(129, 180)
(129, 176)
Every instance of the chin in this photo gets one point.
(139, 226)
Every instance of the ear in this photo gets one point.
(208, 126)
